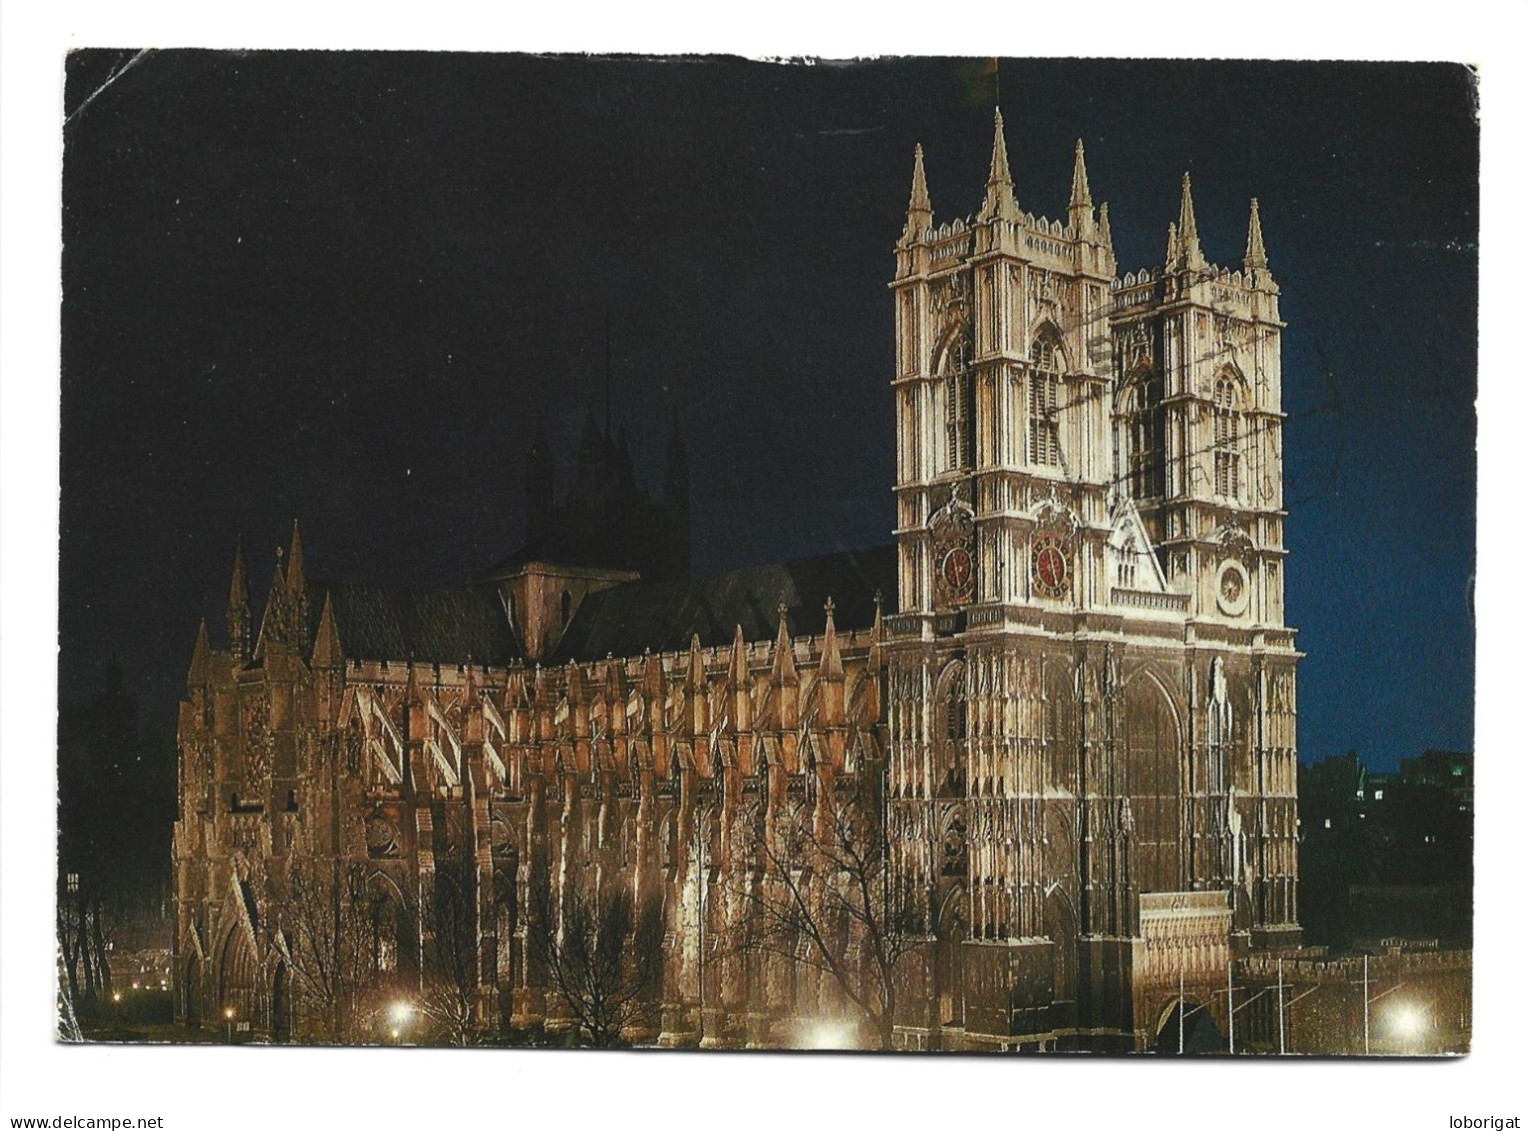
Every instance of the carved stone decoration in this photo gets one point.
(1139, 345)
(257, 744)
(951, 304)
(1235, 543)
(501, 836)
(953, 848)
(382, 837)
(951, 534)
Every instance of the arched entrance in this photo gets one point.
(281, 1005)
(1201, 1034)
(236, 979)
(1153, 782)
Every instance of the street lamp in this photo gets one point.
(228, 1020)
(399, 1014)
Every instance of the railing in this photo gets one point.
(1142, 599)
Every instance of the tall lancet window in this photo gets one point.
(1144, 435)
(958, 420)
(1043, 448)
(1225, 406)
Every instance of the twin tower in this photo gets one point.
(1091, 688)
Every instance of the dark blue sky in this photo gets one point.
(343, 286)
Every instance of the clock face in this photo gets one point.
(1232, 589)
(1050, 570)
(957, 568)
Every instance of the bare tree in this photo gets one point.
(824, 899)
(327, 924)
(602, 955)
(449, 987)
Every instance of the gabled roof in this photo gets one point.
(662, 616)
(443, 626)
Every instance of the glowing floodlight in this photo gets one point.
(399, 1013)
(1409, 1021)
(830, 1035)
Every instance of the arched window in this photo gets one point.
(1225, 405)
(958, 420)
(1126, 564)
(1144, 435)
(566, 605)
(951, 723)
(1041, 408)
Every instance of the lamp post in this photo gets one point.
(228, 1021)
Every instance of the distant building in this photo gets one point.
(1076, 721)
(1387, 854)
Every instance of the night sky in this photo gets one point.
(343, 288)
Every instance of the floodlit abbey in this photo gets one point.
(1024, 779)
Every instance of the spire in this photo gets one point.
(919, 213)
(297, 591)
(239, 609)
(738, 659)
(1080, 204)
(1104, 231)
(196, 675)
(296, 581)
(1253, 255)
(273, 618)
(784, 670)
(1189, 238)
(1000, 200)
(1171, 255)
(326, 646)
(829, 665)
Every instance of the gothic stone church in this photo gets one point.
(1072, 724)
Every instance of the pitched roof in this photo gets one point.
(663, 615)
(426, 625)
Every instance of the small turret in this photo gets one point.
(1103, 234)
(999, 203)
(1255, 262)
(273, 620)
(326, 648)
(920, 215)
(297, 592)
(197, 674)
(1080, 204)
(239, 610)
(1190, 257)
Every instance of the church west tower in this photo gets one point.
(1091, 687)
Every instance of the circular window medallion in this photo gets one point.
(1051, 570)
(382, 837)
(1232, 589)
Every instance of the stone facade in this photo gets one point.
(1073, 731)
